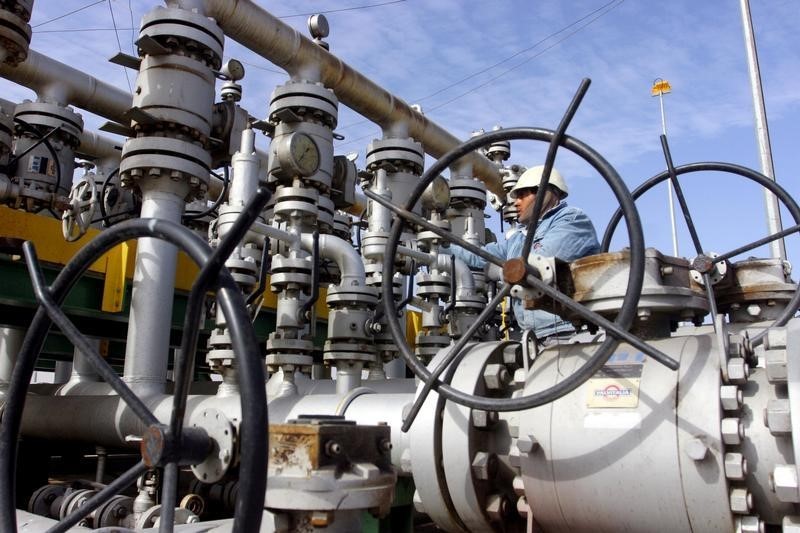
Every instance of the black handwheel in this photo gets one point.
(618, 328)
(738, 170)
(168, 448)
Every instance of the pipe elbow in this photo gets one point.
(341, 252)
(463, 275)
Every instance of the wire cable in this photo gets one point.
(119, 44)
(354, 8)
(87, 6)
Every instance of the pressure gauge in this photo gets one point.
(298, 154)
(436, 196)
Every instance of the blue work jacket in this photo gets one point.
(564, 232)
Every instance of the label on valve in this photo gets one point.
(616, 385)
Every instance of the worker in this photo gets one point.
(563, 231)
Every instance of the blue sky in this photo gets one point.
(422, 51)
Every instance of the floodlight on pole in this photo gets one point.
(660, 88)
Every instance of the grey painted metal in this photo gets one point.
(793, 378)
(608, 469)
(343, 254)
(57, 82)
(777, 247)
(106, 420)
(426, 459)
(462, 442)
(99, 146)
(276, 41)
(10, 343)
(147, 347)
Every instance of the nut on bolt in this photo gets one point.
(776, 361)
(484, 465)
(497, 507)
(732, 431)
(483, 419)
(333, 448)
(777, 417)
(730, 397)
(696, 449)
(519, 485)
(749, 524)
(527, 444)
(735, 466)
(512, 355)
(738, 371)
(784, 483)
(741, 500)
(496, 376)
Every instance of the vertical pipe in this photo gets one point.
(10, 343)
(62, 372)
(147, 349)
(777, 247)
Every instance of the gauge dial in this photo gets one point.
(298, 155)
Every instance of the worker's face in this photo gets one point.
(523, 201)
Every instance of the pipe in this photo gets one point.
(147, 348)
(10, 343)
(463, 275)
(98, 146)
(422, 257)
(56, 82)
(260, 31)
(342, 253)
(777, 247)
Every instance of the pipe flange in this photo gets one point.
(20, 8)
(180, 31)
(432, 284)
(72, 501)
(51, 116)
(114, 512)
(46, 500)
(429, 345)
(500, 150)
(278, 357)
(355, 295)
(157, 157)
(467, 192)
(221, 434)
(15, 38)
(395, 154)
(325, 214)
(297, 101)
(349, 351)
(760, 290)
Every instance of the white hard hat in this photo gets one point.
(531, 178)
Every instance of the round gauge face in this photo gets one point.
(303, 154)
(436, 195)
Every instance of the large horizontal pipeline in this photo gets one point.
(57, 82)
(279, 43)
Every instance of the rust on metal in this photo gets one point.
(515, 271)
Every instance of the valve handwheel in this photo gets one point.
(705, 261)
(617, 329)
(83, 204)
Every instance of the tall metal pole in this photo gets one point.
(659, 88)
(777, 247)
